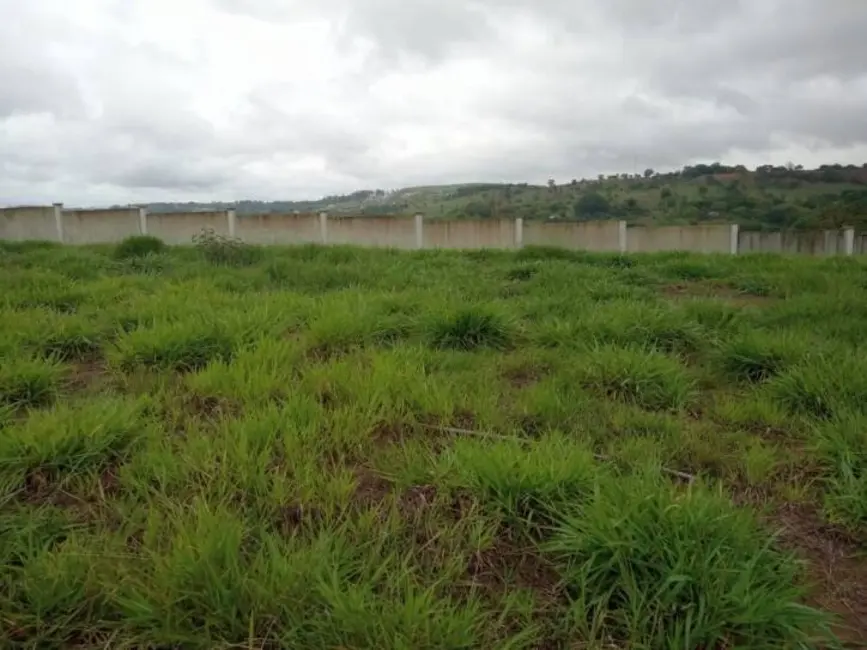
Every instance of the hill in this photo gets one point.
(768, 197)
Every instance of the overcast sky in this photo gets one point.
(105, 101)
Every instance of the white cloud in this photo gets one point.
(106, 101)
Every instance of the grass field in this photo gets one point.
(339, 448)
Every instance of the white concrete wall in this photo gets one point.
(489, 233)
(700, 239)
(28, 223)
(386, 232)
(815, 242)
(278, 228)
(583, 235)
(181, 227)
(99, 226)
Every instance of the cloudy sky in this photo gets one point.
(105, 101)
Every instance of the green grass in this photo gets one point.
(238, 447)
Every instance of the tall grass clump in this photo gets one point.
(67, 440)
(647, 379)
(842, 448)
(648, 565)
(139, 246)
(470, 328)
(756, 357)
(26, 382)
(524, 482)
(823, 386)
(181, 346)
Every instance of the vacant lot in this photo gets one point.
(223, 447)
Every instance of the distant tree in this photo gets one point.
(574, 182)
(601, 177)
(648, 172)
(552, 185)
(591, 204)
(665, 193)
(702, 190)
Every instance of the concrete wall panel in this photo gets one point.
(385, 232)
(181, 227)
(578, 235)
(278, 228)
(99, 226)
(492, 233)
(28, 223)
(810, 243)
(699, 239)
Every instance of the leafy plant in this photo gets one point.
(225, 251)
(139, 246)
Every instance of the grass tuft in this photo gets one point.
(29, 383)
(469, 329)
(650, 566)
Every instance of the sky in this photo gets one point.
(120, 101)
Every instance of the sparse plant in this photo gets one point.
(225, 251)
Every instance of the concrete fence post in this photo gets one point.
(231, 217)
(143, 220)
(622, 244)
(419, 231)
(519, 232)
(734, 239)
(849, 240)
(58, 220)
(323, 227)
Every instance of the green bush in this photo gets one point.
(181, 346)
(138, 246)
(756, 357)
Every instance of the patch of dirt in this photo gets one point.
(371, 489)
(293, 516)
(506, 565)
(523, 376)
(416, 500)
(687, 290)
(210, 407)
(88, 373)
(839, 574)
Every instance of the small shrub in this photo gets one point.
(521, 273)
(138, 246)
(469, 329)
(29, 382)
(69, 341)
(225, 251)
(650, 380)
(648, 565)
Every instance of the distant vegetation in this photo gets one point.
(768, 197)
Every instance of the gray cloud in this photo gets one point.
(119, 101)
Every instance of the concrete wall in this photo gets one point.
(860, 244)
(585, 235)
(387, 232)
(703, 239)
(28, 222)
(491, 233)
(817, 242)
(99, 226)
(279, 228)
(180, 227)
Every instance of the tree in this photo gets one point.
(591, 204)
(552, 185)
(648, 172)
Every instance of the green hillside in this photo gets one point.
(767, 197)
